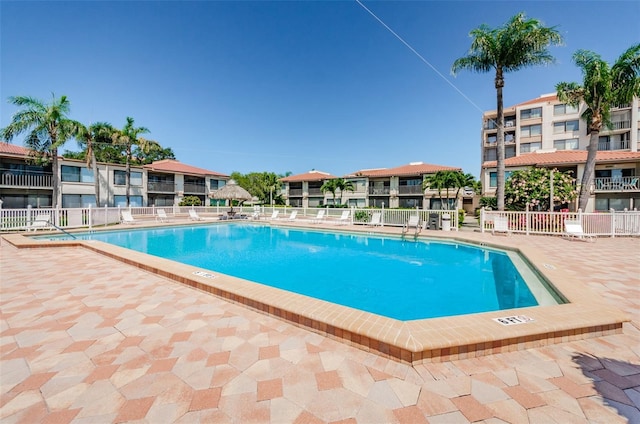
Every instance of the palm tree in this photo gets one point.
(48, 128)
(344, 185)
(128, 137)
(441, 180)
(331, 186)
(518, 44)
(602, 87)
(99, 132)
(462, 181)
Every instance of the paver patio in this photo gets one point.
(87, 339)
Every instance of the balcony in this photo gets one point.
(613, 145)
(315, 192)
(379, 191)
(617, 184)
(619, 125)
(414, 189)
(195, 188)
(161, 187)
(295, 192)
(26, 180)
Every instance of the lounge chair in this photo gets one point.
(40, 223)
(501, 225)
(274, 215)
(256, 213)
(376, 220)
(292, 216)
(127, 218)
(193, 215)
(413, 222)
(319, 217)
(345, 218)
(573, 229)
(161, 215)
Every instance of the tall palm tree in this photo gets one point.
(441, 180)
(128, 137)
(47, 127)
(344, 185)
(602, 87)
(99, 132)
(462, 181)
(331, 186)
(518, 44)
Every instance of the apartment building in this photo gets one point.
(545, 132)
(399, 187)
(162, 183)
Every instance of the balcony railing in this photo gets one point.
(315, 192)
(161, 187)
(618, 184)
(415, 189)
(379, 191)
(295, 192)
(26, 180)
(195, 188)
(621, 106)
(613, 145)
(620, 125)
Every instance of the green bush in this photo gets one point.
(190, 201)
(461, 215)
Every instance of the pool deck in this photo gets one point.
(88, 338)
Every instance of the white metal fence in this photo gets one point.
(69, 218)
(612, 223)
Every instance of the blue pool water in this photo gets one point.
(399, 279)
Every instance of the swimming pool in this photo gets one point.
(403, 280)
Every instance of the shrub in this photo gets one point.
(190, 201)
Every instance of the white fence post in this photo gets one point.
(90, 217)
(482, 217)
(613, 222)
(527, 219)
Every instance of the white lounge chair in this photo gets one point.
(161, 215)
(256, 212)
(501, 225)
(274, 215)
(344, 219)
(376, 219)
(127, 218)
(413, 222)
(40, 223)
(319, 217)
(292, 216)
(573, 229)
(193, 215)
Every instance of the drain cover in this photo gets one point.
(203, 274)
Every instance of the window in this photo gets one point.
(568, 144)
(530, 147)
(490, 154)
(531, 130)
(120, 178)
(493, 178)
(492, 138)
(566, 126)
(536, 112)
(604, 204)
(121, 201)
(76, 174)
(564, 109)
(78, 200)
(216, 184)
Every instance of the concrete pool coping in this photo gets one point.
(436, 339)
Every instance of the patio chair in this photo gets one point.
(292, 216)
(161, 215)
(127, 218)
(40, 223)
(413, 222)
(193, 215)
(274, 215)
(573, 229)
(344, 219)
(501, 225)
(376, 220)
(631, 185)
(319, 217)
(256, 212)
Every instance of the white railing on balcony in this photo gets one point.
(620, 125)
(26, 180)
(617, 184)
(613, 145)
(612, 223)
(376, 190)
(414, 189)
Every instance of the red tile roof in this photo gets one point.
(413, 168)
(171, 165)
(13, 149)
(309, 176)
(542, 99)
(564, 157)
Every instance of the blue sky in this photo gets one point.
(289, 86)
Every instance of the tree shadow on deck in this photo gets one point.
(617, 382)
